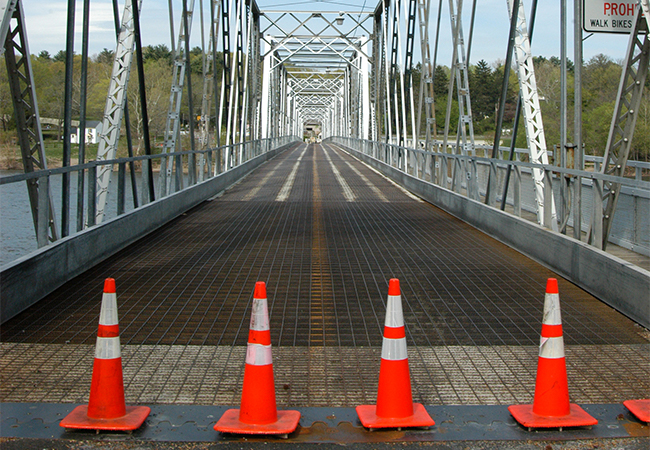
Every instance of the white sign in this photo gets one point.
(600, 16)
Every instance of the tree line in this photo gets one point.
(600, 79)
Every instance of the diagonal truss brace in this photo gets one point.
(114, 110)
(28, 122)
(532, 113)
(619, 141)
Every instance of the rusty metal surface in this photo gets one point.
(326, 241)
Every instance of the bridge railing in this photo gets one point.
(125, 195)
(470, 176)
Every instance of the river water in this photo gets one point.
(17, 235)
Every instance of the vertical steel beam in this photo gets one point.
(266, 90)
(427, 95)
(408, 66)
(67, 119)
(577, 117)
(365, 92)
(171, 142)
(460, 76)
(387, 75)
(147, 170)
(83, 89)
(191, 159)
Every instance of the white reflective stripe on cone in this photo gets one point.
(258, 355)
(552, 310)
(551, 348)
(394, 315)
(108, 348)
(260, 315)
(108, 313)
(394, 349)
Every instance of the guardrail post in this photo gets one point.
(144, 191)
(577, 208)
(444, 172)
(43, 211)
(121, 179)
(456, 179)
(492, 183)
(178, 179)
(472, 182)
(201, 172)
(433, 168)
(548, 195)
(597, 215)
(162, 179)
(516, 191)
(92, 193)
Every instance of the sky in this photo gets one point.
(46, 26)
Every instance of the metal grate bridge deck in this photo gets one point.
(325, 233)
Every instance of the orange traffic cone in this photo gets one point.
(106, 409)
(640, 408)
(395, 407)
(258, 413)
(551, 407)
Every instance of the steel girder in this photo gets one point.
(28, 122)
(225, 75)
(116, 101)
(407, 91)
(240, 88)
(172, 123)
(109, 134)
(619, 141)
(315, 39)
(427, 96)
(375, 80)
(459, 74)
(532, 114)
(209, 73)
(315, 69)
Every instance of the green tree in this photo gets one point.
(485, 96)
(158, 78)
(106, 56)
(60, 56)
(640, 150)
(440, 81)
(600, 79)
(49, 82)
(45, 55)
(6, 105)
(156, 53)
(482, 89)
(547, 74)
(511, 97)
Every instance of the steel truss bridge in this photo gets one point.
(349, 74)
(344, 81)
